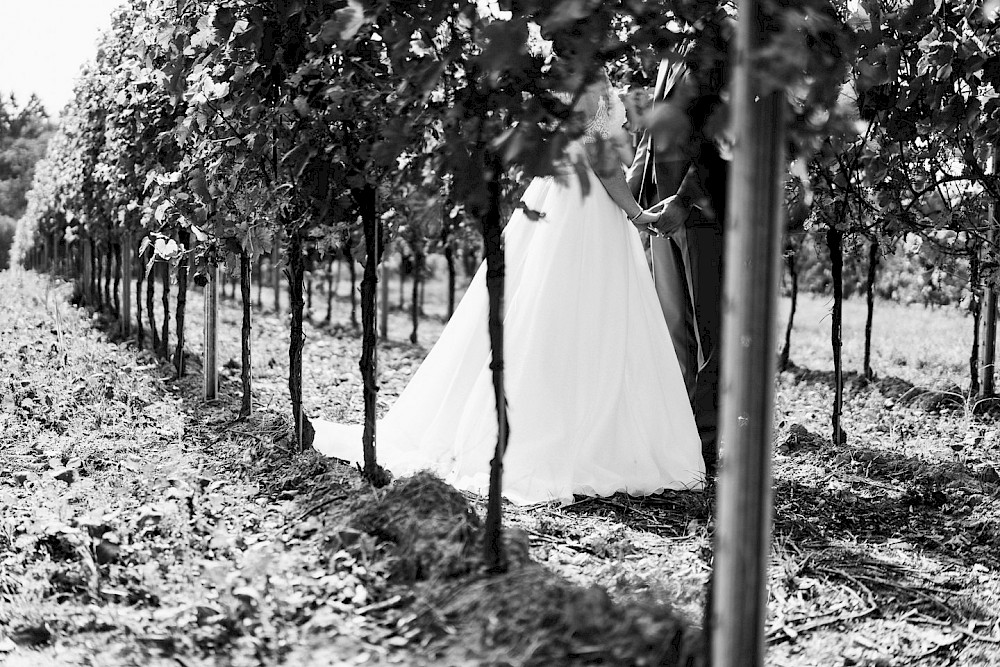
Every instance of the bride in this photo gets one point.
(595, 395)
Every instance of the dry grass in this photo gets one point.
(928, 347)
(530, 616)
(430, 529)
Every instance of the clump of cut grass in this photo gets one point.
(797, 437)
(429, 527)
(532, 616)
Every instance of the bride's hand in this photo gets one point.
(658, 208)
(644, 220)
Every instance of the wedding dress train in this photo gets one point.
(595, 395)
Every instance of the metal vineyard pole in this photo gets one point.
(752, 260)
(211, 361)
(126, 285)
(276, 272)
(88, 272)
(246, 365)
(988, 318)
(383, 278)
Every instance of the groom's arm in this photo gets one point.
(677, 207)
(635, 173)
(703, 187)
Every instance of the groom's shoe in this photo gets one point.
(710, 452)
(706, 415)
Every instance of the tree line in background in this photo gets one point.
(24, 132)
(899, 197)
(285, 134)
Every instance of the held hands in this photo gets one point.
(646, 221)
(670, 216)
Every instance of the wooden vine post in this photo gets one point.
(88, 271)
(416, 301)
(92, 289)
(276, 272)
(296, 306)
(330, 289)
(184, 238)
(126, 284)
(873, 262)
(140, 273)
(211, 361)
(835, 242)
(165, 301)
(245, 361)
(148, 261)
(353, 271)
(118, 272)
(109, 250)
(987, 342)
(988, 308)
(752, 256)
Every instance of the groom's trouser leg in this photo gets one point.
(706, 251)
(672, 291)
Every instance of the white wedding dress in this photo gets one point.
(595, 396)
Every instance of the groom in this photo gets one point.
(682, 164)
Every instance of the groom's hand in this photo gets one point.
(672, 216)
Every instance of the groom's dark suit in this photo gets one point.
(687, 264)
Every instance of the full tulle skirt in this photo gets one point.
(596, 401)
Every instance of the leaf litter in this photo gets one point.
(214, 541)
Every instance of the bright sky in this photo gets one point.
(43, 43)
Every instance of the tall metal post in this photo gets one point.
(128, 259)
(988, 315)
(752, 259)
(211, 360)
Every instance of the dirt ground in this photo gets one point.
(141, 525)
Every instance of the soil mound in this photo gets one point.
(797, 437)
(430, 529)
(532, 616)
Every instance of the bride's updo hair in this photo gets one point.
(592, 82)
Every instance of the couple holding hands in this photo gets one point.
(611, 374)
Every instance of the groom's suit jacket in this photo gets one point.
(687, 266)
